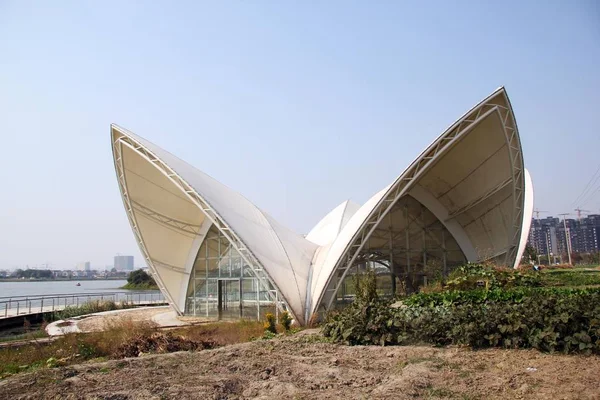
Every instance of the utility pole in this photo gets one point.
(567, 237)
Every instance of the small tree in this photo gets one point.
(286, 321)
(365, 286)
(140, 277)
(270, 323)
(530, 255)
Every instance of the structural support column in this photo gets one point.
(392, 269)
(220, 299)
(408, 269)
(241, 297)
(423, 229)
(444, 253)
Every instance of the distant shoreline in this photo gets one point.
(62, 280)
(141, 286)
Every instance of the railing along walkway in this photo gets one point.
(14, 306)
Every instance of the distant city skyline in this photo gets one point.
(552, 235)
(298, 106)
(81, 266)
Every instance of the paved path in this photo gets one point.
(24, 311)
(97, 321)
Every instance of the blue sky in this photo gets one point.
(297, 105)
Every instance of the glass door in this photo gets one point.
(229, 299)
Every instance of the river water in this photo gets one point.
(27, 288)
(27, 295)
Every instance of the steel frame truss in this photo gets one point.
(255, 266)
(421, 165)
(480, 199)
(165, 220)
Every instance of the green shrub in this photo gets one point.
(286, 321)
(365, 320)
(548, 319)
(270, 323)
(268, 335)
(473, 276)
(140, 280)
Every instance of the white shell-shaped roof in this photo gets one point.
(284, 254)
(328, 255)
(471, 178)
(328, 228)
(527, 217)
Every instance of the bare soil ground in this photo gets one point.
(305, 367)
(99, 322)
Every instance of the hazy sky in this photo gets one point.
(297, 105)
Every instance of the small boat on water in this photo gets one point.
(78, 284)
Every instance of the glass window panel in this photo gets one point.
(213, 268)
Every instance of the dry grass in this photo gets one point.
(306, 367)
(223, 333)
(119, 336)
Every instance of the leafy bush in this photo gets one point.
(140, 279)
(286, 321)
(365, 320)
(515, 295)
(473, 276)
(270, 323)
(547, 319)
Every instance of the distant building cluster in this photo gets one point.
(124, 263)
(549, 237)
(84, 266)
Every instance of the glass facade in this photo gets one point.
(408, 249)
(223, 286)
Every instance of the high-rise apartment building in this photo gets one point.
(124, 263)
(548, 235)
(84, 266)
(542, 235)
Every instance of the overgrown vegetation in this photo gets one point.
(478, 306)
(571, 277)
(270, 323)
(123, 339)
(286, 321)
(140, 280)
(91, 307)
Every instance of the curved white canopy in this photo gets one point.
(472, 178)
(471, 182)
(284, 255)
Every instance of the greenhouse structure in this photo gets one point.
(466, 198)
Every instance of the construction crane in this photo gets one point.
(579, 211)
(537, 212)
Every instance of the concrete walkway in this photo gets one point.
(167, 318)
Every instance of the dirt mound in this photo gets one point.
(160, 342)
(306, 367)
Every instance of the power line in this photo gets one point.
(591, 196)
(594, 178)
